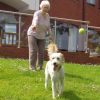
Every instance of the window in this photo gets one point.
(9, 36)
(92, 2)
(94, 42)
(10, 28)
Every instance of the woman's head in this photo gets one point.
(45, 5)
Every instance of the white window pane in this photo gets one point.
(3, 41)
(6, 38)
(10, 41)
(10, 28)
(14, 39)
(91, 2)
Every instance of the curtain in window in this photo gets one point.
(62, 36)
(81, 42)
(72, 43)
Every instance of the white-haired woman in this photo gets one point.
(36, 35)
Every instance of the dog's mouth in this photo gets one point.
(56, 66)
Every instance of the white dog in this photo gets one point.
(54, 69)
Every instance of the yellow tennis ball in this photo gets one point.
(82, 31)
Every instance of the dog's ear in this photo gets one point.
(62, 56)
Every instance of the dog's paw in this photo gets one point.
(54, 98)
(60, 94)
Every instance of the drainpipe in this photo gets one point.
(83, 10)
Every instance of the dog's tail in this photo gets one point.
(52, 48)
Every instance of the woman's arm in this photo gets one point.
(35, 21)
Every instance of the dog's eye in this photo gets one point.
(58, 58)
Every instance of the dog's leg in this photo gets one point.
(61, 87)
(46, 79)
(53, 89)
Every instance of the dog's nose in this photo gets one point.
(54, 64)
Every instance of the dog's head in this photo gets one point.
(57, 60)
(52, 48)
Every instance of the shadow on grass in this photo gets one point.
(70, 95)
(77, 77)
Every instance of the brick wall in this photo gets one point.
(78, 57)
(71, 9)
(13, 52)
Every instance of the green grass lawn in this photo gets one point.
(82, 82)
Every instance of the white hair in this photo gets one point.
(44, 2)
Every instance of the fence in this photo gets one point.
(65, 31)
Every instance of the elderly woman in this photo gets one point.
(36, 35)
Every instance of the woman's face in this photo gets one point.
(45, 8)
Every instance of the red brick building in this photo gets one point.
(87, 10)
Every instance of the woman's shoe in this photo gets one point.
(32, 69)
